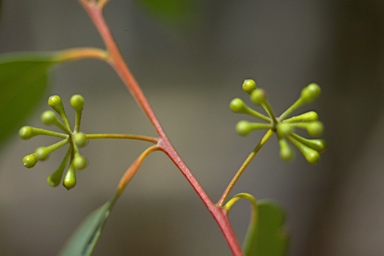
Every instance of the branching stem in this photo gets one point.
(243, 167)
(115, 59)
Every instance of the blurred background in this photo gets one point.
(190, 61)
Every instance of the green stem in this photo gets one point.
(247, 161)
(78, 120)
(122, 136)
(82, 53)
(57, 145)
(39, 131)
(269, 110)
(247, 246)
(294, 106)
(258, 115)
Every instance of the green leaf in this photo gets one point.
(23, 82)
(174, 12)
(266, 234)
(84, 240)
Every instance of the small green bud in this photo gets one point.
(42, 153)
(30, 161)
(319, 145)
(77, 102)
(69, 181)
(284, 129)
(315, 128)
(54, 179)
(243, 128)
(258, 96)
(48, 117)
(237, 105)
(56, 103)
(80, 139)
(311, 155)
(310, 92)
(316, 144)
(286, 153)
(79, 162)
(26, 132)
(249, 85)
(306, 117)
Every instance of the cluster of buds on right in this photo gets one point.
(74, 138)
(283, 126)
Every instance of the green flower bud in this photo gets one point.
(48, 117)
(80, 139)
(237, 105)
(26, 132)
(306, 117)
(56, 103)
(284, 129)
(54, 179)
(286, 153)
(311, 155)
(249, 85)
(315, 128)
(30, 161)
(245, 127)
(69, 181)
(310, 92)
(258, 96)
(77, 102)
(316, 144)
(42, 153)
(79, 162)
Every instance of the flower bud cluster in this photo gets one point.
(72, 160)
(283, 126)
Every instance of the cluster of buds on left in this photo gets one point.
(73, 137)
(283, 126)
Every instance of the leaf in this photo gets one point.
(84, 240)
(23, 82)
(175, 12)
(266, 234)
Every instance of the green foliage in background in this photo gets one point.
(23, 83)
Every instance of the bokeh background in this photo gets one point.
(190, 66)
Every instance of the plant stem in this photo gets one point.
(242, 168)
(117, 62)
(131, 171)
(122, 136)
(82, 53)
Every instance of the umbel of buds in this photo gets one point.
(283, 126)
(72, 160)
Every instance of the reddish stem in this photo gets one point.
(117, 62)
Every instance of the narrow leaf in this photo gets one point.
(23, 82)
(173, 12)
(266, 234)
(84, 240)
